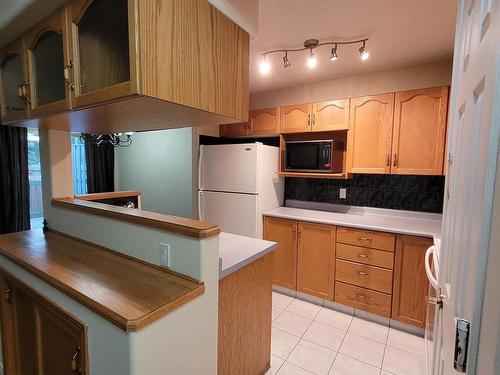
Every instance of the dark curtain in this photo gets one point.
(100, 167)
(14, 183)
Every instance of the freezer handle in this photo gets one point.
(200, 162)
(199, 206)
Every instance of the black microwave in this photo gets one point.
(309, 156)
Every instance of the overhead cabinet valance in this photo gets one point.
(165, 63)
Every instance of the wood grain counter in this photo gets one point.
(125, 291)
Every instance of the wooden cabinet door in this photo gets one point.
(295, 118)
(14, 87)
(239, 129)
(370, 134)
(48, 54)
(332, 115)
(103, 50)
(409, 301)
(418, 141)
(284, 232)
(264, 121)
(316, 259)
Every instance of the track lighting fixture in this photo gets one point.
(363, 52)
(333, 54)
(312, 62)
(286, 62)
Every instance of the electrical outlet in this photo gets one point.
(342, 193)
(165, 255)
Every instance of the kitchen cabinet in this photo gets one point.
(331, 115)
(410, 281)
(103, 42)
(38, 336)
(418, 141)
(295, 118)
(284, 232)
(14, 83)
(262, 122)
(370, 134)
(316, 259)
(47, 55)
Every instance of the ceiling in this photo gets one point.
(401, 32)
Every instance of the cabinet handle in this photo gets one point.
(308, 119)
(365, 239)
(363, 256)
(22, 93)
(395, 160)
(299, 232)
(388, 160)
(67, 67)
(74, 361)
(8, 295)
(362, 296)
(361, 273)
(313, 119)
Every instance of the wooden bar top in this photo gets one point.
(175, 224)
(125, 291)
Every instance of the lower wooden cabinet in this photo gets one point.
(38, 337)
(316, 259)
(409, 302)
(284, 232)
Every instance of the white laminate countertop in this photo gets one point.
(394, 221)
(236, 252)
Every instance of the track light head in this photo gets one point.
(333, 54)
(311, 61)
(363, 53)
(286, 62)
(265, 66)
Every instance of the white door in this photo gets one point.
(473, 146)
(231, 168)
(234, 213)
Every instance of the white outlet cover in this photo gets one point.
(165, 251)
(342, 193)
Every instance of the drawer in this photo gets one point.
(366, 238)
(363, 299)
(365, 255)
(369, 277)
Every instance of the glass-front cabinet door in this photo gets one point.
(48, 62)
(14, 87)
(102, 40)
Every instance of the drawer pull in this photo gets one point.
(364, 238)
(361, 273)
(363, 256)
(362, 296)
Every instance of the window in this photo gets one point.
(35, 179)
(79, 164)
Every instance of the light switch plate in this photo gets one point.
(165, 257)
(342, 193)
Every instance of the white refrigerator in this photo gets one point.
(236, 184)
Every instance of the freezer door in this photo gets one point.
(230, 168)
(234, 213)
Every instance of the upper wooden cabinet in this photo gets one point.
(316, 259)
(409, 302)
(370, 134)
(47, 55)
(14, 84)
(295, 118)
(332, 115)
(284, 232)
(261, 122)
(419, 134)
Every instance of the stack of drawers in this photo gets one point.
(364, 269)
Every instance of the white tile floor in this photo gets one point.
(309, 339)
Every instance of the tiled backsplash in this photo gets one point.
(413, 193)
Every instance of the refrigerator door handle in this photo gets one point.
(200, 162)
(199, 205)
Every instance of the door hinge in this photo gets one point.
(462, 334)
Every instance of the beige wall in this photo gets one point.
(429, 75)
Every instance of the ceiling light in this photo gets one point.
(286, 62)
(363, 52)
(311, 61)
(264, 67)
(333, 55)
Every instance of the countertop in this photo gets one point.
(385, 220)
(127, 292)
(237, 251)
